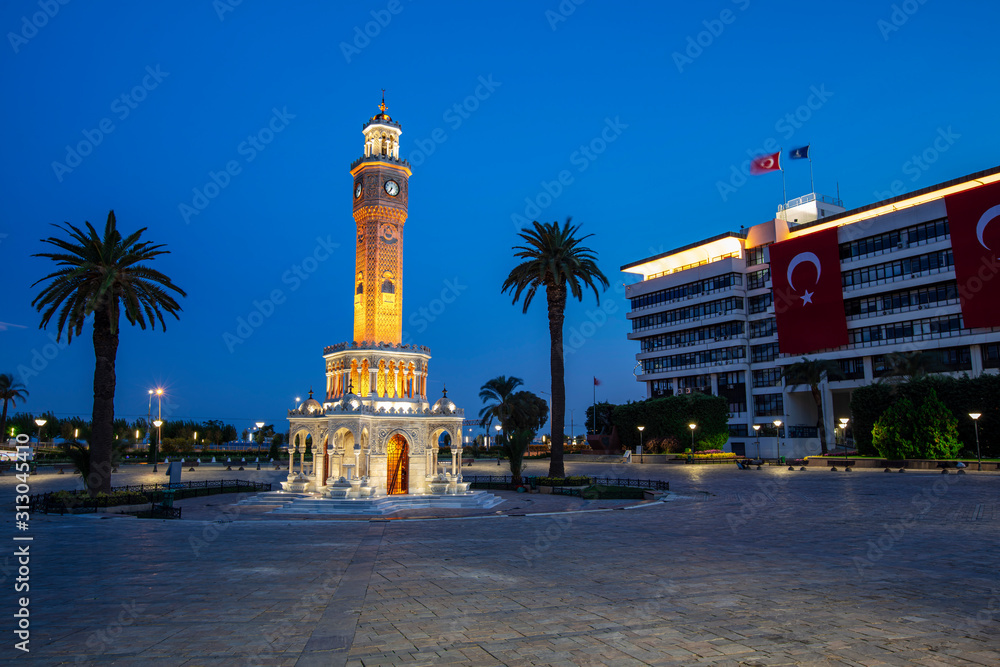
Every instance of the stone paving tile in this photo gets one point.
(746, 568)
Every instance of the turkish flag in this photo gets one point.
(808, 296)
(766, 163)
(974, 223)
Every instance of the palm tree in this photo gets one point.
(497, 396)
(103, 276)
(11, 391)
(811, 372)
(554, 259)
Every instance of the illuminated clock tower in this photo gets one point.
(376, 432)
(380, 199)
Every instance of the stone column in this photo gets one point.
(302, 460)
(291, 459)
(319, 479)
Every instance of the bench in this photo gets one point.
(63, 467)
(468, 462)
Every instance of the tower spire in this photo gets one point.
(382, 106)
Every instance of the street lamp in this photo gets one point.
(843, 432)
(975, 420)
(41, 423)
(777, 438)
(641, 429)
(260, 426)
(692, 426)
(756, 432)
(159, 434)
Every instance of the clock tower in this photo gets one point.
(380, 191)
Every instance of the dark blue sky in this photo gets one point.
(668, 97)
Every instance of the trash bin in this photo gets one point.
(168, 497)
(782, 460)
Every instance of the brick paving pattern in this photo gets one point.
(748, 568)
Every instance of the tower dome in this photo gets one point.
(311, 405)
(444, 405)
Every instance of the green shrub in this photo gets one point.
(563, 481)
(907, 432)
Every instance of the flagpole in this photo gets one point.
(595, 405)
(784, 197)
(812, 186)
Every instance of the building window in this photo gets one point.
(738, 430)
(694, 383)
(759, 304)
(762, 353)
(755, 256)
(718, 332)
(762, 328)
(687, 291)
(914, 330)
(991, 355)
(881, 243)
(769, 377)
(954, 358)
(693, 359)
(853, 369)
(902, 269)
(917, 298)
(658, 388)
(768, 405)
(688, 313)
(758, 279)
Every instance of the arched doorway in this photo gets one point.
(398, 469)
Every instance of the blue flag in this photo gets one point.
(799, 153)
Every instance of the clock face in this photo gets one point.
(392, 188)
(357, 190)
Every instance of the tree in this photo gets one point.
(11, 391)
(274, 453)
(811, 372)
(103, 276)
(514, 448)
(554, 259)
(497, 397)
(604, 420)
(906, 432)
(529, 413)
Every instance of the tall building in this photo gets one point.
(724, 315)
(375, 425)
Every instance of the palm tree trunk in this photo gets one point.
(820, 422)
(102, 430)
(3, 422)
(556, 296)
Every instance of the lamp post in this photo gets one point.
(641, 429)
(777, 439)
(843, 432)
(260, 426)
(692, 426)
(756, 432)
(159, 434)
(975, 420)
(41, 423)
(137, 437)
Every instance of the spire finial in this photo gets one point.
(382, 106)
(310, 392)
(445, 391)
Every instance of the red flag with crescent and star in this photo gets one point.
(807, 292)
(974, 224)
(766, 163)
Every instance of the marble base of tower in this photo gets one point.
(383, 441)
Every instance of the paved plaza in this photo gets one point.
(765, 567)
